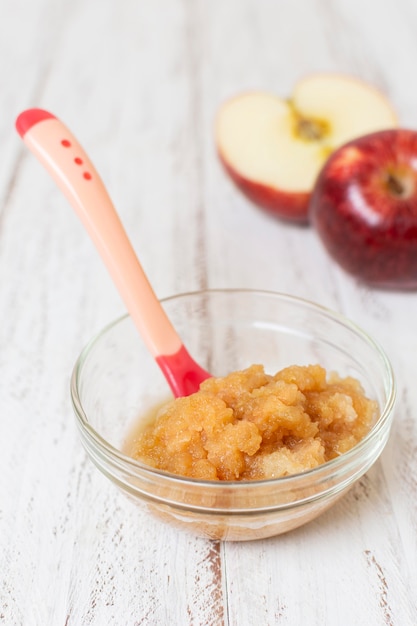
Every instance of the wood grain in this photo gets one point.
(139, 83)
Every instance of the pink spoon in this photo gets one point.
(59, 151)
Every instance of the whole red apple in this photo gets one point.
(364, 208)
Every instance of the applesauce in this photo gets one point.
(250, 425)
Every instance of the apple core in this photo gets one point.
(310, 129)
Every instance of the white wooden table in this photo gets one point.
(139, 84)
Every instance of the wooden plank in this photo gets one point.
(140, 84)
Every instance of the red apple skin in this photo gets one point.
(368, 227)
(286, 205)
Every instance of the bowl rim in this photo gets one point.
(330, 468)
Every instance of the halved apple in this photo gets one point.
(274, 148)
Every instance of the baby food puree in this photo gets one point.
(250, 425)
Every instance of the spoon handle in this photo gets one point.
(69, 165)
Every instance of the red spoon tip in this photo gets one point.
(183, 374)
(29, 118)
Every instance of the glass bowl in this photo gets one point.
(115, 383)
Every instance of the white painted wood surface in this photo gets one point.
(139, 83)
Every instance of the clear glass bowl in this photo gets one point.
(116, 382)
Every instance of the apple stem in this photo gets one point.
(395, 186)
